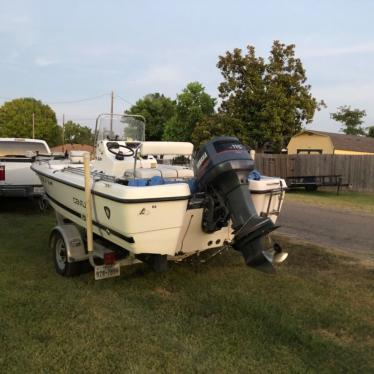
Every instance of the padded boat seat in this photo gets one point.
(164, 171)
(166, 148)
(175, 171)
(147, 173)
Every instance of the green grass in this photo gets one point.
(314, 315)
(346, 199)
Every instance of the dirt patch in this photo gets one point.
(339, 337)
(163, 292)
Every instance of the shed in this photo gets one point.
(318, 142)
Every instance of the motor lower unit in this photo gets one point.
(222, 167)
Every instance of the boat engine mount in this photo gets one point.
(221, 168)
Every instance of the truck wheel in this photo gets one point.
(60, 257)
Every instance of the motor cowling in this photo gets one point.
(222, 167)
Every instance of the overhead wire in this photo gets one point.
(79, 100)
(66, 101)
(126, 101)
(79, 118)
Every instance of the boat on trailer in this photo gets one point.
(141, 207)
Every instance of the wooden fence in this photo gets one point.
(357, 171)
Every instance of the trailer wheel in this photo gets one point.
(60, 257)
(311, 188)
(159, 263)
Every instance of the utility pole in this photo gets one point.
(111, 114)
(33, 125)
(63, 132)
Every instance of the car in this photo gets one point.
(16, 156)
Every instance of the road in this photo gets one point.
(348, 231)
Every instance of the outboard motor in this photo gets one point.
(222, 166)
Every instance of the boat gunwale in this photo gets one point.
(111, 197)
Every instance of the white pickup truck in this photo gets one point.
(16, 156)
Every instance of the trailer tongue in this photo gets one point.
(222, 169)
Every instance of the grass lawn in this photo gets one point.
(314, 315)
(328, 197)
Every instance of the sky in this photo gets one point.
(72, 54)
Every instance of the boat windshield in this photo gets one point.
(119, 127)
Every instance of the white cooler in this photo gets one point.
(268, 195)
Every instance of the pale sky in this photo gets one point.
(62, 51)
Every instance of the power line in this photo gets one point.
(126, 101)
(65, 101)
(75, 101)
(79, 100)
(79, 119)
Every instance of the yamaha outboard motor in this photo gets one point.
(222, 166)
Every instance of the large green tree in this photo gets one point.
(157, 109)
(351, 120)
(219, 124)
(74, 133)
(193, 103)
(271, 97)
(16, 120)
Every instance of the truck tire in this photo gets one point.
(60, 257)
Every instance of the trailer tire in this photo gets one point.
(60, 257)
(311, 188)
(157, 262)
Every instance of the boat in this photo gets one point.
(142, 206)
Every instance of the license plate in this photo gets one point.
(107, 271)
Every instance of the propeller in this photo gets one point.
(263, 260)
(275, 255)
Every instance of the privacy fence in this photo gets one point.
(357, 171)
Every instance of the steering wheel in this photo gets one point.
(119, 153)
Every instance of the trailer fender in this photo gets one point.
(73, 240)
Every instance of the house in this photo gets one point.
(73, 147)
(318, 142)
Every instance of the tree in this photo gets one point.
(351, 120)
(370, 131)
(16, 120)
(219, 125)
(271, 98)
(193, 103)
(74, 133)
(157, 109)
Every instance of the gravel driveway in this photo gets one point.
(350, 231)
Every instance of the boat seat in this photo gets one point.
(164, 171)
(166, 148)
(147, 173)
(175, 171)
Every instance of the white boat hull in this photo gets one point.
(143, 225)
(153, 219)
